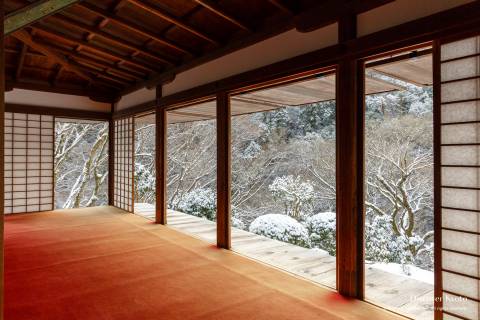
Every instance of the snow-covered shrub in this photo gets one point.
(237, 223)
(293, 193)
(200, 202)
(281, 227)
(381, 244)
(322, 231)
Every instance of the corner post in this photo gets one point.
(350, 168)
(224, 174)
(2, 152)
(160, 160)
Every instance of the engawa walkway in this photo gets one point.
(408, 296)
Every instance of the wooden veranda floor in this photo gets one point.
(408, 296)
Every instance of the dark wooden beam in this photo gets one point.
(215, 8)
(114, 39)
(27, 39)
(21, 59)
(224, 170)
(282, 6)
(133, 27)
(35, 85)
(270, 28)
(34, 12)
(161, 167)
(176, 21)
(349, 166)
(111, 158)
(333, 10)
(2, 160)
(58, 112)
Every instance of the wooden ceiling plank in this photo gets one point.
(57, 75)
(21, 60)
(176, 21)
(215, 8)
(114, 39)
(133, 27)
(103, 51)
(26, 38)
(32, 13)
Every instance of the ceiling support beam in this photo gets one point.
(283, 7)
(178, 22)
(331, 11)
(133, 27)
(113, 39)
(34, 12)
(100, 50)
(27, 39)
(215, 8)
(21, 59)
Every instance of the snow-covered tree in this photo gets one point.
(293, 193)
(81, 163)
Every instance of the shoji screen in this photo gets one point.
(123, 193)
(460, 177)
(29, 140)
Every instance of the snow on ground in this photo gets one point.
(414, 272)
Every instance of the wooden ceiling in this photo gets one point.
(104, 48)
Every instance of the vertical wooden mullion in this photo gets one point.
(131, 126)
(224, 174)
(111, 159)
(437, 201)
(2, 154)
(160, 161)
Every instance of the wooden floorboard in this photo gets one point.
(385, 289)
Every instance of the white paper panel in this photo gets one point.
(461, 133)
(461, 220)
(460, 306)
(461, 228)
(460, 112)
(459, 69)
(461, 48)
(465, 286)
(123, 163)
(460, 198)
(31, 145)
(461, 176)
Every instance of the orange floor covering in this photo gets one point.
(101, 263)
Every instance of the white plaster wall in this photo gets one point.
(401, 11)
(283, 46)
(56, 100)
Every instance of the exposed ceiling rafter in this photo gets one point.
(34, 12)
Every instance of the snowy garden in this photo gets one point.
(283, 173)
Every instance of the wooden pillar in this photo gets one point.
(350, 169)
(224, 173)
(160, 161)
(111, 158)
(2, 153)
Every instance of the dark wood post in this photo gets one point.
(224, 174)
(111, 158)
(160, 161)
(2, 153)
(350, 169)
